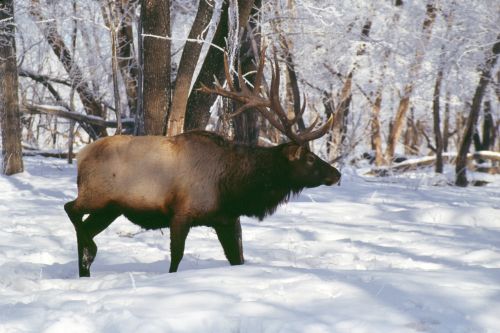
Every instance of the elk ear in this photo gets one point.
(293, 152)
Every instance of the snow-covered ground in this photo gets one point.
(394, 254)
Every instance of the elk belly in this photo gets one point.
(149, 219)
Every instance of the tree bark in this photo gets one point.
(488, 129)
(187, 66)
(446, 125)
(199, 104)
(246, 125)
(340, 119)
(155, 18)
(437, 123)
(12, 161)
(376, 134)
(485, 75)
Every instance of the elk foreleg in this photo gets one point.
(179, 229)
(230, 238)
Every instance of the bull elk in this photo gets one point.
(196, 178)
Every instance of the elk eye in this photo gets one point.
(310, 159)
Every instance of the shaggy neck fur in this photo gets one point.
(256, 181)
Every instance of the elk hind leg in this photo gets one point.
(230, 238)
(83, 241)
(85, 232)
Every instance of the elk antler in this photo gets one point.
(270, 107)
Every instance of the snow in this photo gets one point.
(397, 254)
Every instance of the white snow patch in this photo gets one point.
(372, 255)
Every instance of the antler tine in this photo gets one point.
(242, 109)
(311, 127)
(269, 107)
(312, 135)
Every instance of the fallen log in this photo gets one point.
(414, 164)
(54, 154)
(63, 112)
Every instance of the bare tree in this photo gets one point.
(12, 161)
(49, 28)
(118, 17)
(376, 132)
(187, 65)
(437, 122)
(484, 79)
(404, 103)
(127, 60)
(198, 107)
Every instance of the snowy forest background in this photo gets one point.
(391, 72)
(397, 247)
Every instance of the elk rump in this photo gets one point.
(193, 179)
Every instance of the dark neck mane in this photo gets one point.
(256, 182)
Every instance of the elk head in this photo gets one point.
(307, 169)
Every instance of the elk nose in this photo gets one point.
(333, 178)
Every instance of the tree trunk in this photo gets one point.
(339, 129)
(127, 60)
(411, 136)
(340, 120)
(120, 17)
(485, 74)
(437, 123)
(376, 135)
(199, 104)
(71, 134)
(12, 161)
(246, 124)
(139, 114)
(412, 75)
(446, 125)
(155, 18)
(438, 135)
(488, 130)
(112, 19)
(187, 65)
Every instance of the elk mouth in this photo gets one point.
(333, 179)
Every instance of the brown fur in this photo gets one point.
(196, 178)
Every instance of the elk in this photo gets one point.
(196, 178)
